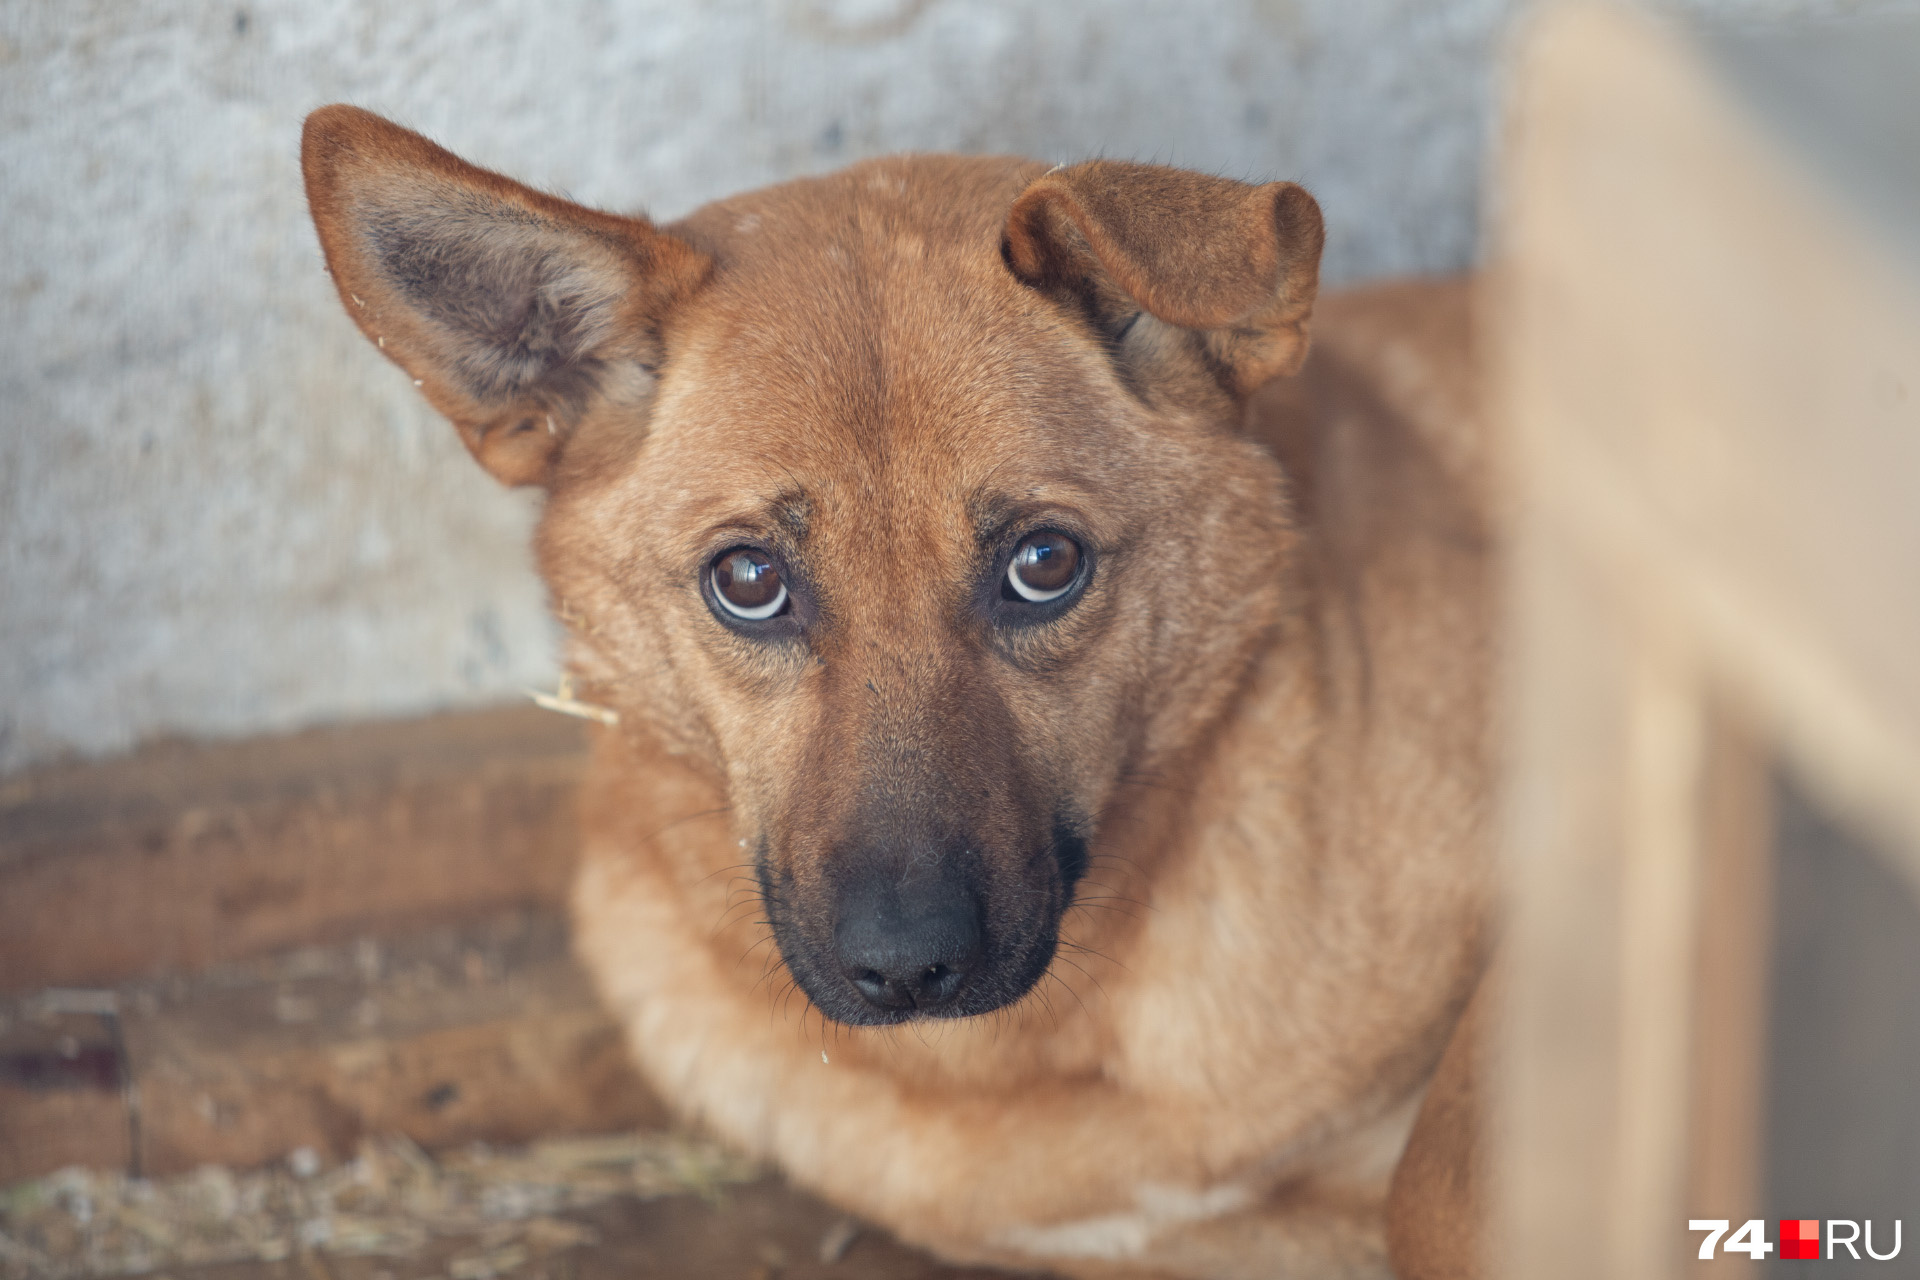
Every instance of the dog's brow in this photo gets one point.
(992, 512)
(785, 516)
(791, 510)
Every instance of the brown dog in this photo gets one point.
(1047, 812)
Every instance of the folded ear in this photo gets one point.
(511, 309)
(1237, 263)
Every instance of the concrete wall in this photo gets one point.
(222, 513)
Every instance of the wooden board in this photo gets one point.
(486, 1030)
(184, 856)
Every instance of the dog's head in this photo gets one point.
(911, 499)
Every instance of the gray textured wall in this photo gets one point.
(220, 512)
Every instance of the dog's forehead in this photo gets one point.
(892, 205)
(861, 334)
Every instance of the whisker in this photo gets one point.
(1085, 950)
(686, 818)
(1098, 986)
(738, 866)
(1067, 987)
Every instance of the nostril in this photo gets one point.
(938, 984)
(880, 990)
(925, 987)
(911, 984)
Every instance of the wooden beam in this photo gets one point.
(484, 1030)
(183, 856)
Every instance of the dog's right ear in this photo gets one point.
(510, 309)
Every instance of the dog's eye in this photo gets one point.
(1044, 567)
(747, 584)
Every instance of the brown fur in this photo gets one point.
(1221, 818)
(1438, 1203)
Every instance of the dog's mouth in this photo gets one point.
(949, 931)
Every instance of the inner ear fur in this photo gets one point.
(509, 308)
(1236, 263)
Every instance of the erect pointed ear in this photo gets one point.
(510, 309)
(1238, 263)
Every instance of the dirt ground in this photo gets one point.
(763, 1231)
(634, 1206)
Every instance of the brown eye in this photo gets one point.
(1045, 567)
(747, 584)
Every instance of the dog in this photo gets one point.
(1048, 809)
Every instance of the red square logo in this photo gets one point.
(1799, 1237)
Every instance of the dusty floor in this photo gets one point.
(632, 1206)
(764, 1231)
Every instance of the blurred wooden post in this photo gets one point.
(1708, 380)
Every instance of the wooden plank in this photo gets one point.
(1728, 1053)
(1660, 843)
(1556, 1099)
(184, 856)
(62, 1099)
(483, 1030)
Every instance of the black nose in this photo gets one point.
(908, 944)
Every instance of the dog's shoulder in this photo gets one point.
(1413, 341)
(1389, 390)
